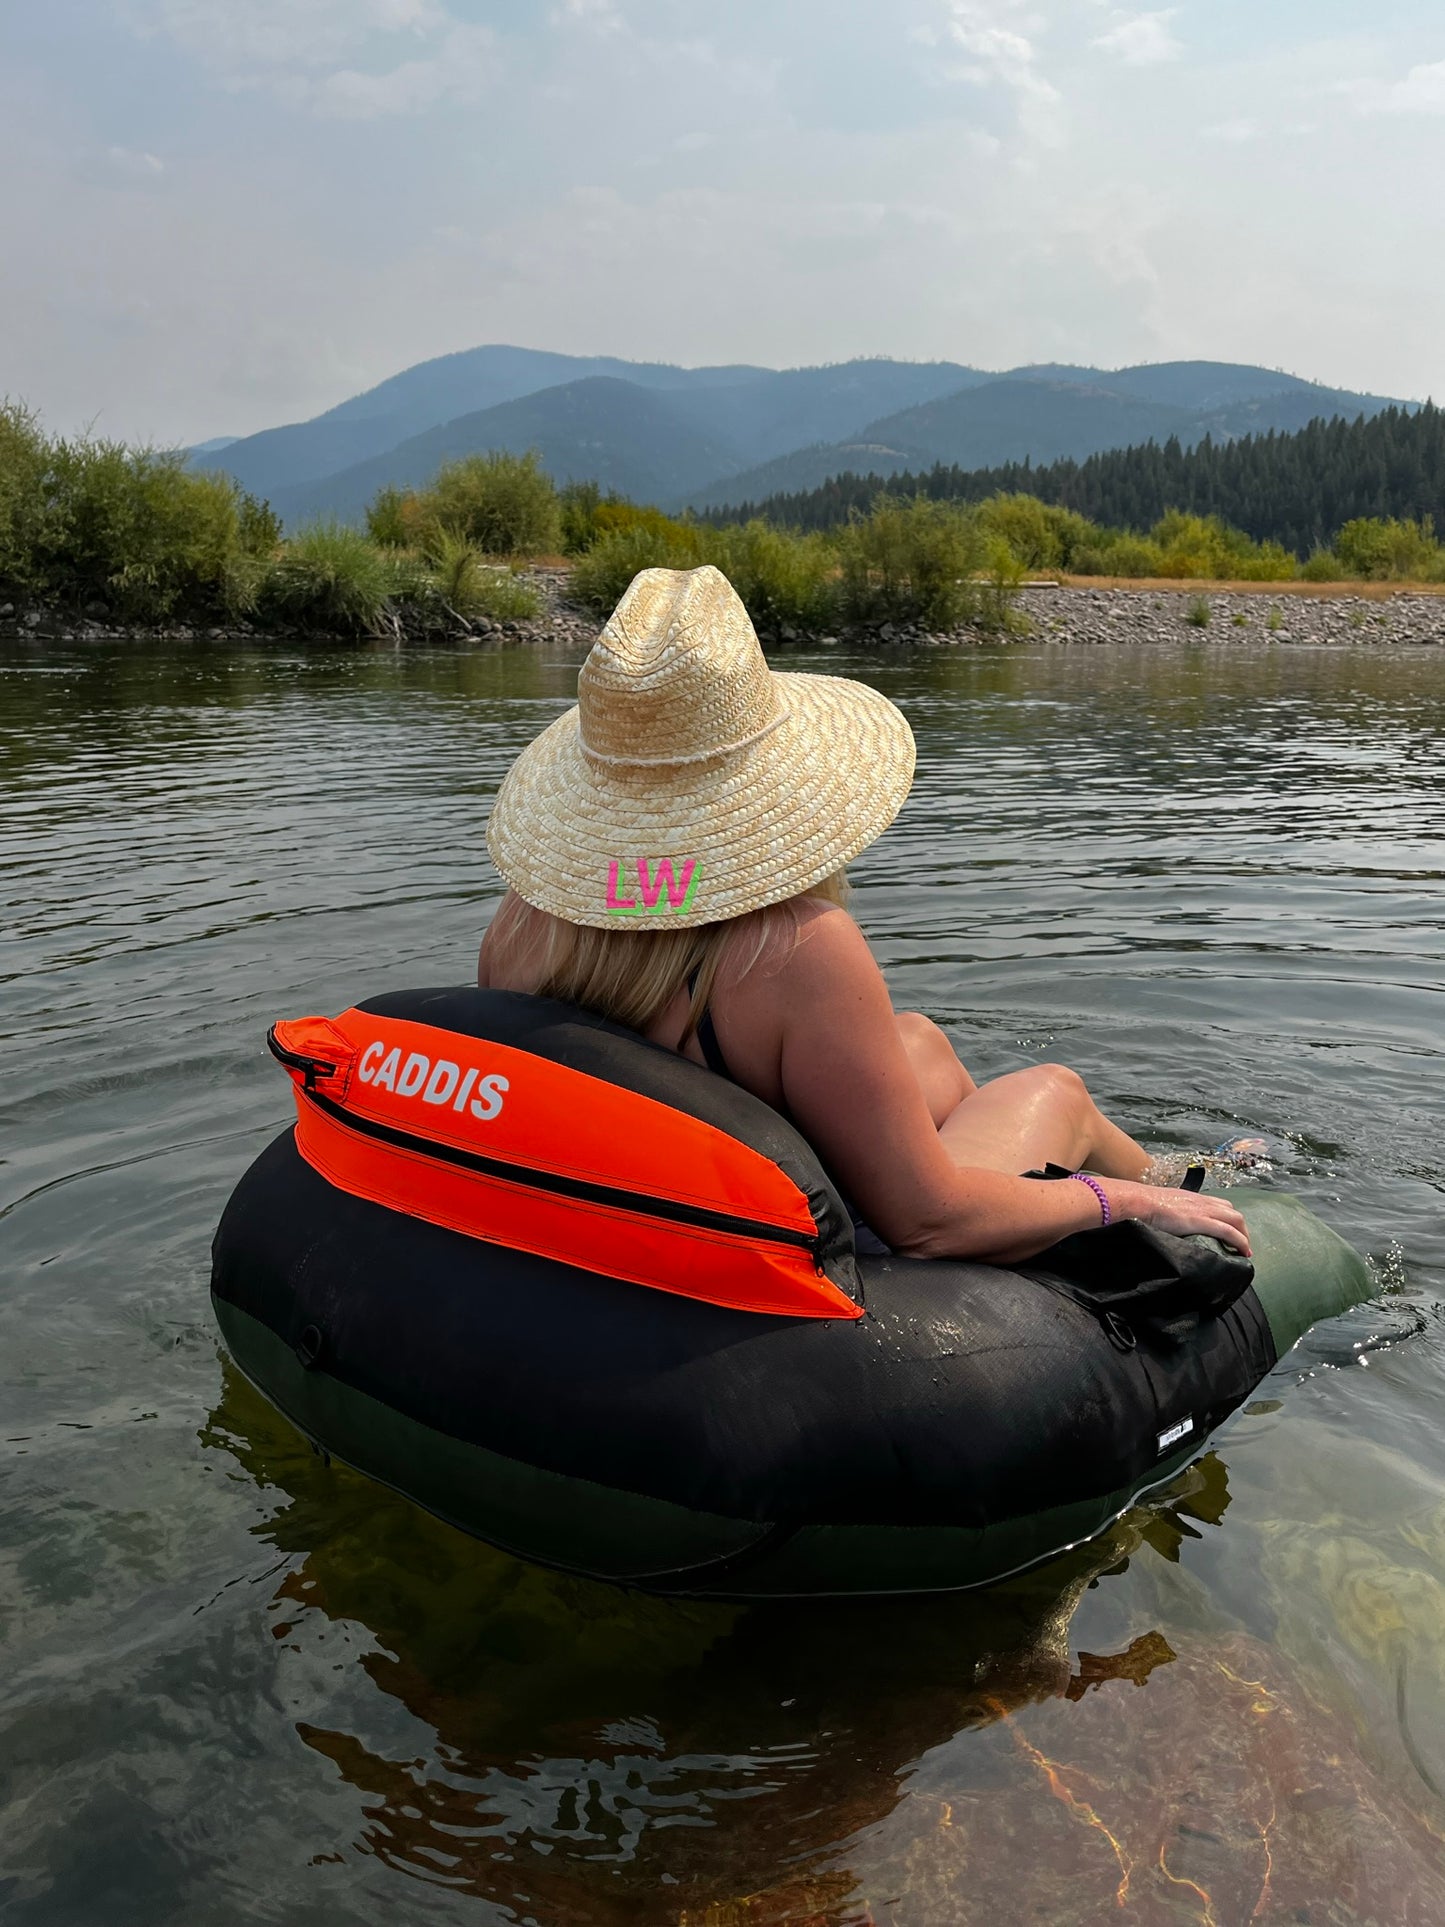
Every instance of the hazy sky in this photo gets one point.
(216, 215)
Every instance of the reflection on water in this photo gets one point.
(240, 1685)
(850, 1747)
(771, 1733)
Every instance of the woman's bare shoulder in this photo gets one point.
(806, 959)
(825, 944)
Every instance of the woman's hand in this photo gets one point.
(1181, 1212)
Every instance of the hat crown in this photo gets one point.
(677, 675)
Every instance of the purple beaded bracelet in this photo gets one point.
(1099, 1192)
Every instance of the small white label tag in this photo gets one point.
(1175, 1433)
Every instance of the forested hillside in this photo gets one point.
(705, 437)
(1296, 489)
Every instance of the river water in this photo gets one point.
(239, 1686)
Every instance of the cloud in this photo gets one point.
(1422, 91)
(1235, 132)
(460, 71)
(1141, 39)
(601, 15)
(336, 57)
(281, 33)
(133, 165)
(1000, 53)
(130, 169)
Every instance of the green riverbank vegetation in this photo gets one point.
(1293, 489)
(927, 564)
(938, 564)
(135, 536)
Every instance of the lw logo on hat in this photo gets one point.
(659, 887)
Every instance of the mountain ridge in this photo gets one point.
(702, 437)
(1058, 422)
(599, 429)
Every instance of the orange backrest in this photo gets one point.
(499, 1144)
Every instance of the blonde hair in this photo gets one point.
(631, 976)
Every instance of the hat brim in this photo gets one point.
(751, 827)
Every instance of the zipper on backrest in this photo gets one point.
(586, 1190)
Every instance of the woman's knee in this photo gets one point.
(915, 1028)
(944, 1080)
(1062, 1086)
(1067, 1080)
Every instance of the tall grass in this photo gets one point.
(456, 573)
(329, 578)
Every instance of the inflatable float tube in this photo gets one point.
(599, 1307)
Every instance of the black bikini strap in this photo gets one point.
(707, 1034)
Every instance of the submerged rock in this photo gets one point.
(1221, 1791)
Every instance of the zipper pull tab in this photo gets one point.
(314, 1051)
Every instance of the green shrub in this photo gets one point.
(1038, 535)
(1132, 555)
(1274, 621)
(577, 506)
(139, 531)
(1265, 562)
(614, 515)
(1324, 566)
(258, 526)
(1386, 550)
(1199, 614)
(1206, 548)
(23, 462)
(394, 519)
(786, 581)
(1188, 546)
(330, 578)
(134, 529)
(502, 503)
(587, 515)
(912, 561)
(600, 576)
(997, 591)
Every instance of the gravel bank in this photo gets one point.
(1081, 615)
(1052, 614)
(1151, 615)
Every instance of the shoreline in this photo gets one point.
(1085, 611)
(1078, 610)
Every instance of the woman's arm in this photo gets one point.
(848, 1083)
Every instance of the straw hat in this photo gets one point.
(691, 782)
